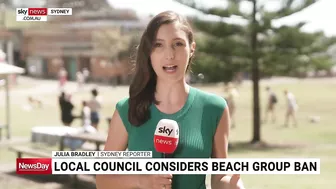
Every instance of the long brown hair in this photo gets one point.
(143, 87)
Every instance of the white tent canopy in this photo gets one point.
(5, 71)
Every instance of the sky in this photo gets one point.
(320, 16)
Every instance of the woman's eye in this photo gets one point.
(157, 45)
(179, 44)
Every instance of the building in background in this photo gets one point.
(91, 38)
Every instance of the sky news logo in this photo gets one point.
(31, 11)
(33, 166)
(40, 14)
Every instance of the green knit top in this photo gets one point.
(197, 120)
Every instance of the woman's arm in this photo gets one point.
(117, 141)
(220, 150)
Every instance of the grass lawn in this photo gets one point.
(318, 140)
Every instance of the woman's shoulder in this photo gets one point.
(210, 99)
(122, 107)
(122, 104)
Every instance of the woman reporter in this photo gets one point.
(159, 91)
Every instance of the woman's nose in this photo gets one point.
(170, 53)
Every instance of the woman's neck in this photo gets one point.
(171, 95)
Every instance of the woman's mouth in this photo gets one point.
(170, 68)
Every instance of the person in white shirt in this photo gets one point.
(75, 144)
(86, 74)
(86, 114)
(80, 80)
(232, 95)
(95, 107)
(292, 107)
(62, 75)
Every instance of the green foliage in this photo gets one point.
(267, 50)
(224, 48)
(208, 64)
(293, 52)
(322, 63)
(130, 51)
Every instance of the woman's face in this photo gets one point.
(171, 52)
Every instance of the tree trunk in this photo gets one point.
(255, 77)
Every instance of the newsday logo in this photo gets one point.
(40, 14)
(33, 166)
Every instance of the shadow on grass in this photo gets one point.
(65, 181)
(244, 146)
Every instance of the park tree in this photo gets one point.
(289, 51)
(226, 47)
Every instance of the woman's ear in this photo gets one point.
(192, 49)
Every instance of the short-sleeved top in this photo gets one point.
(95, 104)
(197, 120)
(291, 101)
